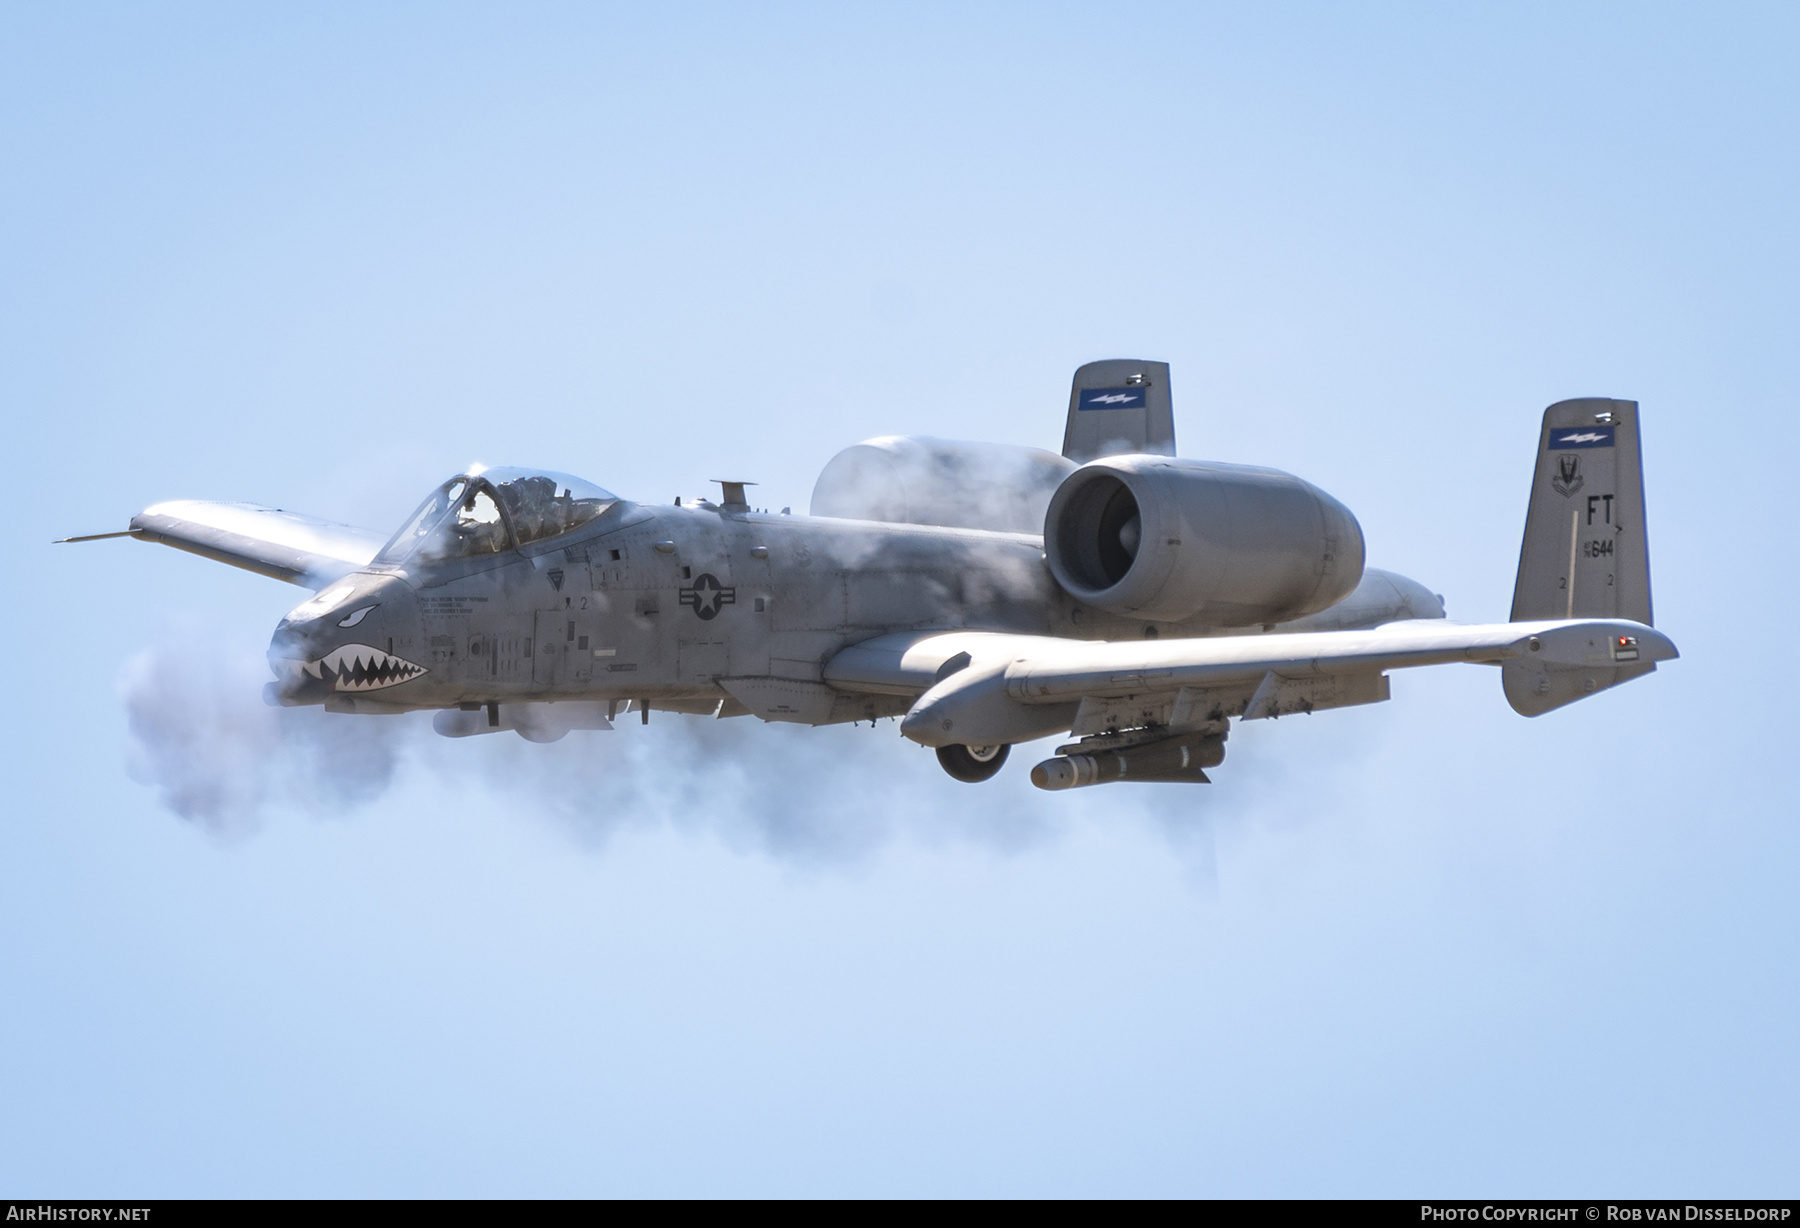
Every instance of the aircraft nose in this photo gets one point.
(356, 636)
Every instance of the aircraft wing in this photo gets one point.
(975, 685)
(267, 540)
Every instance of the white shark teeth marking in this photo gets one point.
(360, 667)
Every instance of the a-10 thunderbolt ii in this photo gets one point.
(985, 594)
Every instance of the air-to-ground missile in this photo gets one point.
(1178, 758)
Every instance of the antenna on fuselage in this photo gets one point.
(734, 493)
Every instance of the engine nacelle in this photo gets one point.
(1167, 539)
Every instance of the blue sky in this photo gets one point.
(323, 258)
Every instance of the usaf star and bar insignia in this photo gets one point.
(707, 596)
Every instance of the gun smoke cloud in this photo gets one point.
(221, 759)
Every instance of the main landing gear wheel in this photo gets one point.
(972, 764)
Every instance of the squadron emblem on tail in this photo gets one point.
(1568, 477)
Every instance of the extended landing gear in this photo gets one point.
(972, 764)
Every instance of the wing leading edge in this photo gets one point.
(267, 540)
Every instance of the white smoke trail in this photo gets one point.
(811, 798)
(223, 760)
(220, 758)
(828, 795)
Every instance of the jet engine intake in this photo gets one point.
(1169, 540)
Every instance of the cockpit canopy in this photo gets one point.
(492, 510)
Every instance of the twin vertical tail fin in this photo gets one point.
(1119, 405)
(1586, 553)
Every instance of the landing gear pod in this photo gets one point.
(972, 764)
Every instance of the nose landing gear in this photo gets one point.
(972, 764)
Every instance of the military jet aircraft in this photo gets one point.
(985, 594)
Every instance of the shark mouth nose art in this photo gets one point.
(359, 667)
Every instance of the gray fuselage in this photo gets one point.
(657, 604)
